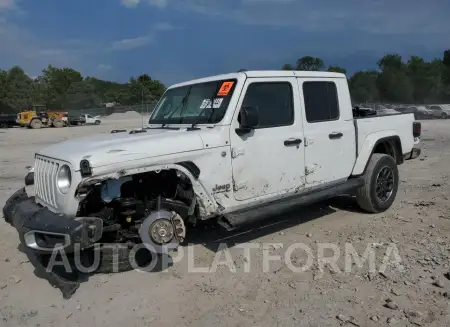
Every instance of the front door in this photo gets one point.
(270, 159)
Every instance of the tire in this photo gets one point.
(444, 116)
(97, 122)
(366, 195)
(36, 124)
(58, 123)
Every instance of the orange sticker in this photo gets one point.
(225, 89)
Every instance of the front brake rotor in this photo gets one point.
(162, 231)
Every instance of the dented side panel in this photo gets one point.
(263, 165)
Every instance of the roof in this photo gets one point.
(265, 73)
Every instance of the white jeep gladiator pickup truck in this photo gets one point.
(236, 148)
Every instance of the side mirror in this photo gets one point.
(248, 119)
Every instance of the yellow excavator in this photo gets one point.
(37, 117)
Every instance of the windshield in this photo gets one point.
(194, 104)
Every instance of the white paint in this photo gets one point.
(330, 159)
(91, 119)
(259, 166)
(268, 166)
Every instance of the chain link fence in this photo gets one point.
(390, 105)
(143, 109)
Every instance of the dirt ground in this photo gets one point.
(411, 291)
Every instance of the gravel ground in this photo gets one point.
(412, 290)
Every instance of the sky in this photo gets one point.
(177, 40)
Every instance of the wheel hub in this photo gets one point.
(385, 184)
(161, 231)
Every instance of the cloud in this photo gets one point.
(159, 3)
(129, 3)
(7, 4)
(132, 43)
(135, 3)
(142, 40)
(104, 67)
(33, 53)
(400, 17)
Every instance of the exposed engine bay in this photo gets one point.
(157, 204)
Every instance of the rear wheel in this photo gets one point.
(381, 184)
(444, 115)
(58, 123)
(36, 124)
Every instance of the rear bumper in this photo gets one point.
(43, 231)
(415, 152)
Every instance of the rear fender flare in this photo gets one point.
(368, 146)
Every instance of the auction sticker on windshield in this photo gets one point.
(225, 89)
(207, 103)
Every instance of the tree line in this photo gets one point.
(396, 81)
(66, 88)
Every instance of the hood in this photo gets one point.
(103, 149)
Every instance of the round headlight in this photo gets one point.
(64, 179)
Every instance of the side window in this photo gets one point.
(321, 101)
(274, 102)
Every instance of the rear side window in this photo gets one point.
(274, 102)
(321, 101)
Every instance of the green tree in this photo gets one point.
(446, 72)
(337, 69)
(309, 63)
(363, 86)
(394, 85)
(58, 81)
(287, 67)
(19, 89)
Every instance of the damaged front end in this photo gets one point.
(148, 207)
(43, 231)
(143, 206)
(112, 209)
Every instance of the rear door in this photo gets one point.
(330, 146)
(270, 159)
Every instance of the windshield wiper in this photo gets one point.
(182, 102)
(211, 99)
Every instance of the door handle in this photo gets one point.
(335, 135)
(292, 142)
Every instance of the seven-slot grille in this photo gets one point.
(45, 174)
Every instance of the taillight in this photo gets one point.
(417, 129)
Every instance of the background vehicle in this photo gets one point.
(215, 148)
(440, 111)
(8, 120)
(386, 111)
(420, 112)
(89, 119)
(77, 120)
(38, 117)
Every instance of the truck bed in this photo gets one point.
(376, 127)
